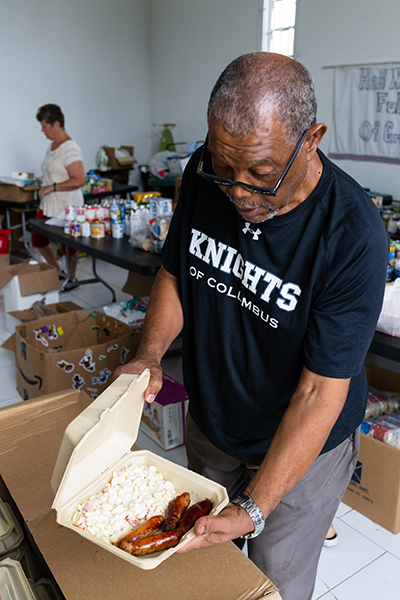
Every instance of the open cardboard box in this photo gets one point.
(374, 489)
(31, 433)
(26, 283)
(97, 444)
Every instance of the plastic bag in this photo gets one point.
(389, 319)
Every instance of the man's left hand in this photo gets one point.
(232, 522)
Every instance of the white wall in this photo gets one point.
(345, 33)
(191, 43)
(92, 58)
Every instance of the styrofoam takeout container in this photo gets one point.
(13, 581)
(6, 523)
(98, 442)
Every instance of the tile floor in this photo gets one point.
(366, 563)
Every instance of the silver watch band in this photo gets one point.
(254, 511)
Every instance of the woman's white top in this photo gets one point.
(54, 170)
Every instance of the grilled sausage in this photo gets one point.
(175, 510)
(200, 509)
(153, 543)
(143, 530)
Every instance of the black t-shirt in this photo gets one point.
(261, 301)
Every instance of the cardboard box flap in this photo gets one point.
(100, 435)
(9, 344)
(33, 277)
(39, 309)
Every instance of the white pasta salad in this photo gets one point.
(133, 495)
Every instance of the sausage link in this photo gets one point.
(154, 543)
(143, 530)
(175, 510)
(200, 509)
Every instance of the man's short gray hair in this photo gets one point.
(255, 86)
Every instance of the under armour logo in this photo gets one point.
(255, 233)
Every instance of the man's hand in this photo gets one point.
(137, 366)
(232, 522)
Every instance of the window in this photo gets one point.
(278, 26)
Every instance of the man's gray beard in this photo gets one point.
(273, 210)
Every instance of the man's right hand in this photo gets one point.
(137, 366)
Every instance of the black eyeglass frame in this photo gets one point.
(254, 188)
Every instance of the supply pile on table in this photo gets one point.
(145, 219)
(382, 417)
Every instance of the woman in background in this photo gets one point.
(63, 176)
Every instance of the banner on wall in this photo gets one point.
(366, 119)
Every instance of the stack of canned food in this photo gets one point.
(391, 218)
(114, 216)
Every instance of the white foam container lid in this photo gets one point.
(47, 590)
(13, 582)
(6, 523)
(98, 442)
(15, 537)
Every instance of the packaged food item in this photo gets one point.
(91, 213)
(70, 213)
(67, 227)
(117, 229)
(97, 230)
(81, 214)
(76, 229)
(86, 229)
(385, 429)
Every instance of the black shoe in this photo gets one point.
(62, 276)
(70, 284)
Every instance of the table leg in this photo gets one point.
(114, 299)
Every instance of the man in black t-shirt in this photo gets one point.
(275, 268)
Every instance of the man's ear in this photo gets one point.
(314, 137)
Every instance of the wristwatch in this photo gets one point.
(254, 511)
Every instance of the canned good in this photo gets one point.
(106, 209)
(76, 229)
(386, 214)
(81, 214)
(118, 229)
(86, 229)
(107, 225)
(115, 211)
(91, 213)
(97, 230)
(70, 213)
(67, 228)
(100, 213)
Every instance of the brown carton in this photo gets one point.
(13, 193)
(83, 570)
(76, 350)
(374, 489)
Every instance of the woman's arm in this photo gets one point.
(77, 179)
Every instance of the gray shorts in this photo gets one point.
(288, 549)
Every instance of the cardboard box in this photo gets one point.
(76, 350)
(117, 163)
(83, 570)
(23, 316)
(164, 420)
(14, 193)
(26, 283)
(138, 285)
(374, 489)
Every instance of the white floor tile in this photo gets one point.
(9, 401)
(343, 510)
(377, 581)
(7, 358)
(8, 378)
(352, 553)
(320, 588)
(380, 536)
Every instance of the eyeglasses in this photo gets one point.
(246, 186)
